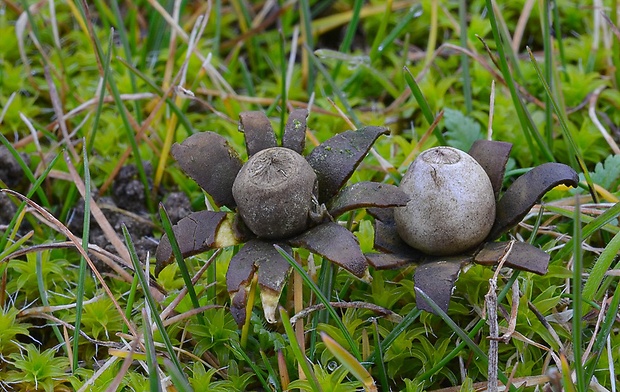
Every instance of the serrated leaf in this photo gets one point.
(461, 131)
(606, 174)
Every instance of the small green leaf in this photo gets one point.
(462, 131)
(606, 174)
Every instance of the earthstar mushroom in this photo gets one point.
(280, 198)
(439, 268)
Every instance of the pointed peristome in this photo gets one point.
(436, 279)
(335, 159)
(208, 159)
(366, 194)
(295, 131)
(492, 156)
(527, 191)
(521, 256)
(193, 234)
(335, 243)
(258, 132)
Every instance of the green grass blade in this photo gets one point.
(568, 137)
(33, 189)
(601, 338)
(16, 245)
(273, 376)
(426, 110)
(149, 298)
(155, 35)
(464, 58)
(383, 376)
(599, 269)
(180, 261)
(548, 51)
(237, 350)
(589, 229)
(577, 329)
(122, 34)
(527, 124)
(345, 45)
(79, 301)
(99, 109)
(296, 348)
(306, 29)
(348, 361)
(27, 172)
(395, 333)
(414, 12)
(170, 102)
(326, 284)
(131, 138)
(341, 96)
(43, 296)
(178, 380)
(130, 301)
(482, 357)
(380, 34)
(319, 294)
(151, 354)
(474, 331)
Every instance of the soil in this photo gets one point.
(125, 205)
(13, 176)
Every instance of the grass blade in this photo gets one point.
(149, 299)
(43, 296)
(450, 356)
(590, 229)
(426, 110)
(151, 355)
(527, 124)
(576, 303)
(296, 348)
(27, 172)
(374, 51)
(395, 333)
(174, 244)
(571, 145)
(597, 348)
(383, 376)
(349, 362)
(461, 334)
(321, 297)
(178, 380)
(241, 354)
(79, 303)
(36, 186)
(334, 87)
(464, 58)
(597, 273)
(345, 45)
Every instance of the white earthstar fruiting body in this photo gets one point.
(452, 206)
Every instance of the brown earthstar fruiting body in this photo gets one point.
(275, 193)
(452, 205)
